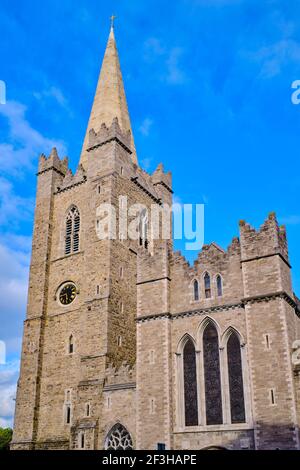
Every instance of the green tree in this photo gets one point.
(5, 438)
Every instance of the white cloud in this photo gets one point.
(175, 75)
(146, 126)
(173, 72)
(25, 143)
(55, 94)
(274, 57)
(13, 208)
(14, 268)
(8, 383)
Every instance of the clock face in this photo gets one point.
(67, 294)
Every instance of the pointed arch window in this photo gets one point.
(190, 384)
(68, 414)
(219, 286)
(212, 376)
(71, 344)
(207, 286)
(72, 231)
(196, 290)
(143, 229)
(235, 377)
(118, 439)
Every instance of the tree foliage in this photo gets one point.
(5, 438)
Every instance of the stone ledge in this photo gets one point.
(267, 256)
(114, 387)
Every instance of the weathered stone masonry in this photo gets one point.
(141, 355)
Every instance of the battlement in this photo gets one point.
(268, 240)
(108, 134)
(71, 180)
(53, 162)
(123, 375)
(162, 177)
(211, 256)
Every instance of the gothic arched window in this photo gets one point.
(235, 376)
(190, 384)
(219, 286)
(207, 286)
(71, 344)
(143, 229)
(196, 290)
(72, 231)
(118, 439)
(212, 376)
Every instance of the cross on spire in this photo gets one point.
(112, 19)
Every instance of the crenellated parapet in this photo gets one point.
(70, 180)
(270, 239)
(110, 134)
(160, 177)
(53, 162)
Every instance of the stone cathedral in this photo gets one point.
(128, 346)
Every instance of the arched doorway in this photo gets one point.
(118, 438)
(214, 448)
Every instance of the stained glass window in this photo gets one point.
(118, 439)
(212, 377)
(219, 286)
(190, 384)
(207, 286)
(196, 290)
(236, 386)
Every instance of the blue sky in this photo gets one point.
(208, 84)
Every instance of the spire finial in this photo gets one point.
(112, 19)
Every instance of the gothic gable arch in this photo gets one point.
(183, 341)
(118, 438)
(227, 333)
(203, 326)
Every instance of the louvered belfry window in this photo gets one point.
(72, 231)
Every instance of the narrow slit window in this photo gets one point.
(219, 286)
(267, 342)
(272, 396)
(68, 414)
(207, 286)
(71, 344)
(196, 290)
(82, 441)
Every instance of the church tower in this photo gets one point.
(126, 345)
(79, 343)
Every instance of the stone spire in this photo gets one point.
(110, 100)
